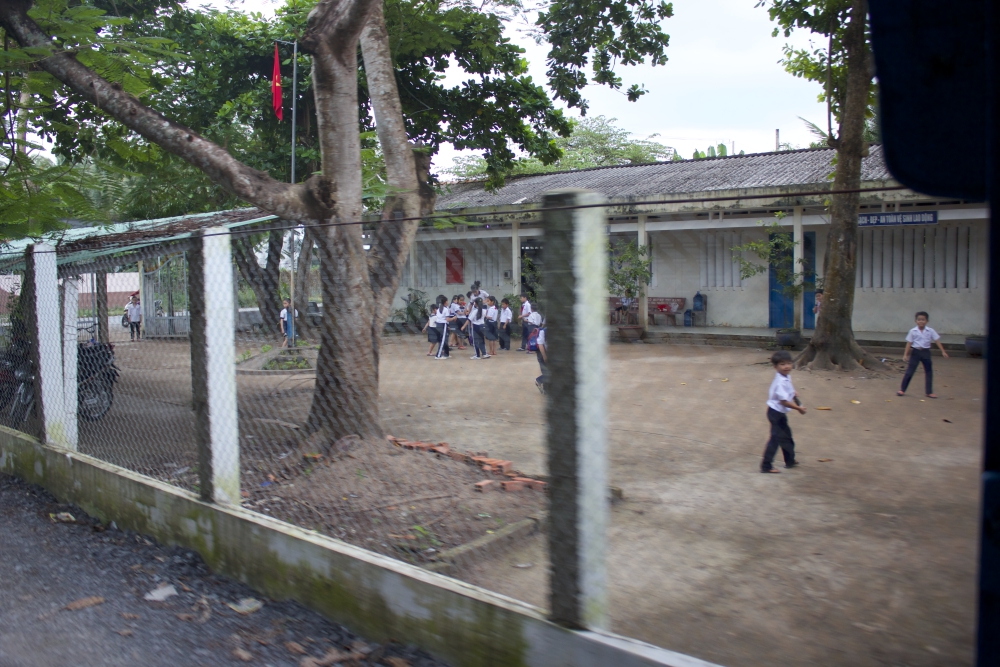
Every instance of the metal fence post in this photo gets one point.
(575, 279)
(44, 327)
(70, 334)
(213, 365)
(101, 309)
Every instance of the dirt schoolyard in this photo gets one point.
(865, 555)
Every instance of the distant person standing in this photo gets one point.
(918, 351)
(286, 321)
(134, 312)
(504, 330)
(819, 303)
(523, 319)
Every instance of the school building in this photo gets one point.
(915, 252)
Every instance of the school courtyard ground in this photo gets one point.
(865, 555)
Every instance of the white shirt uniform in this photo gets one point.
(541, 338)
(491, 313)
(505, 315)
(441, 315)
(134, 312)
(535, 318)
(781, 390)
(921, 340)
(525, 309)
(477, 317)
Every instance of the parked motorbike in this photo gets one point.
(96, 378)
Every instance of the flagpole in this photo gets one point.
(295, 99)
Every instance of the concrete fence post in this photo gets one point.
(101, 311)
(643, 241)
(70, 335)
(213, 366)
(575, 279)
(45, 327)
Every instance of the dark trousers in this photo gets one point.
(477, 340)
(781, 436)
(443, 349)
(918, 357)
(133, 330)
(504, 335)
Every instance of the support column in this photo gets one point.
(213, 371)
(101, 312)
(413, 266)
(44, 327)
(643, 300)
(797, 261)
(575, 279)
(515, 256)
(70, 311)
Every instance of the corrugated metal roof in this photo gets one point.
(760, 170)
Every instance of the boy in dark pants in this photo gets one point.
(918, 351)
(781, 398)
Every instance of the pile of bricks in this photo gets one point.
(510, 479)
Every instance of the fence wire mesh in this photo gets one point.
(453, 478)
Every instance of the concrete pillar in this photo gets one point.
(643, 301)
(101, 312)
(70, 336)
(797, 261)
(413, 266)
(44, 327)
(515, 256)
(575, 279)
(213, 371)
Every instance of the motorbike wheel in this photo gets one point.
(21, 406)
(94, 399)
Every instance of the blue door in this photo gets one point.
(781, 309)
(809, 294)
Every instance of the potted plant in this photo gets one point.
(412, 316)
(777, 250)
(631, 267)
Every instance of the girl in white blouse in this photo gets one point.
(490, 333)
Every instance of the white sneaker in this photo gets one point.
(486, 356)
(475, 358)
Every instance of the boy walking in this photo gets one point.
(781, 398)
(918, 351)
(134, 311)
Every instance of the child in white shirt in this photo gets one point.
(523, 319)
(504, 328)
(781, 398)
(918, 342)
(491, 333)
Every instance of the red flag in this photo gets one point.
(276, 85)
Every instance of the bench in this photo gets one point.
(615, 314)
(669, 306)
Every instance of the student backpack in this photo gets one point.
(533, 340)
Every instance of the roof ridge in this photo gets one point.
(514, 177)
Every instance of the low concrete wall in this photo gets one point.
(373, 595)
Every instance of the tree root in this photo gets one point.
(828, 358)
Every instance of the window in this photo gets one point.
(924, 257)
(716, 262)
(454, 266)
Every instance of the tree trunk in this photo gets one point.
(833, 342)
(253, 275)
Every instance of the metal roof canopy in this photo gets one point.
(112, 246)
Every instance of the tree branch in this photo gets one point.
(307, 201)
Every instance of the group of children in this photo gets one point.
(782, 397)
(479, 319)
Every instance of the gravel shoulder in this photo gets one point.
(47, 565)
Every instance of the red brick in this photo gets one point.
(487, 468)
(512, 485)
(537, 485)
(503, 466)
(422, 446)
(526, 480)
(484, 485)
(441, 448)
(480, 459)
(458, 456)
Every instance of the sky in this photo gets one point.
(721, 84)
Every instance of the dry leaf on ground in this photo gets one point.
(63, 517)
(242, 654)
(823, 407)
(397, 662)
(125, 633)
(160, 594)
(296, 648)
(855, 402)
(83, 603)
(185, 617)
(130, 617)
(246, 606)
(824, 460)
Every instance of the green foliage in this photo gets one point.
(631, 267)
(415, 310)
(777, 249)
(595, 142)
(601, 34)
(825, 62)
